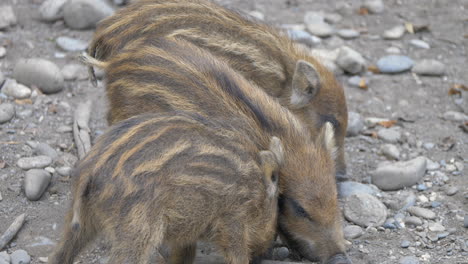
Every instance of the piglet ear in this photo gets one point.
(326, 139)
(305, 84)
(276, 147)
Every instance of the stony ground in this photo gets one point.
(407, 150)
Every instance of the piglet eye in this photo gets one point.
(298, 209)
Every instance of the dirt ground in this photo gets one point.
(388, 96)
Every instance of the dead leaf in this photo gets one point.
(373, 69)
(387, 124)
(363, 84)
(461, 87)
(409, 27)
(464, 127)
(23, 101)
(363, 11)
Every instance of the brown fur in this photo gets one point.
(261, 53)
(173, 74)
(171, 180)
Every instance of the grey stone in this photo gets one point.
(85, 14)
(390, 151)
(347, 33)
(394, 64)
(73, 72)
(429, 67)
(35, 183)
(332, 18)
(374, 6)
(420, 44)
(465, 221)
(365, 210)
(443, 235)
(405, 244)
(322, 30)
(16, 90)
(433, 237)
(7, 17)
(409, 260)
(390, 135)
(348, 188)
(20, 257)
(413, 221)
(436, 227)
(40, 72)
(7, 112)
(64, 171)
(352, 232)
(396, 32)
(455, 116)
(37, 162)
(395, 176)
(452, 190)
(355, 124)
(25, 114)
(71, 44)
(303, 37)
(350, 60)
(46, 150)
(5, 257)
(51, 10)
(422, 212)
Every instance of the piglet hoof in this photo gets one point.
(339, 259)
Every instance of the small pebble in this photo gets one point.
(355, 124)
(390, 151)
(7, 112)
(394, 33)
(421, 187)
(352, 232)
(347, 33)
(374, 6)
(436, 227)
(71, 44)
(420, 44)
(465, 221)
(64, 171)
(435, 204)
(394, 64)
(409, 260)
(281, 253)
(390, 135)
(429, 68)
(350, 60)
(7, 16)
(451, 191)
(455, 116)
(405, 244)
(37, 162)
(2, 52)
(443, 235)
(413, 221)
(422, 212)
(35, 183)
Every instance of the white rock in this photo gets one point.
(40, 72)
(16, 90)
(395, 176)
(2, 52)
(429, 67)
(347, 33)
(374, 6)
(34, 162)
(390, 135)
(390, 151)
(35, 183)
(350, 60)
(7, 112)
(421, 212)
(71, 44)
(365, 210)
(85, 14)
(394, 33)
(455, 116)
(420, 44)
(7, 17)
(52, 10)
